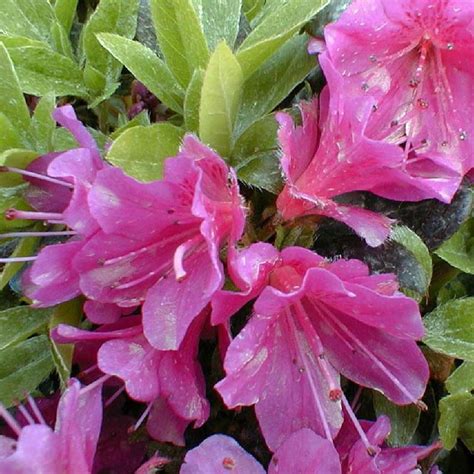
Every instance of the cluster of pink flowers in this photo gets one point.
(395, 119)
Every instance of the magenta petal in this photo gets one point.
(220, 454)
(102, 313)
(304, 452)
(172, 305)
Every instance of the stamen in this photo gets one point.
(356, 399)
(11, 214)
(87, 371)
(370, 449)
(114, 397)
(13, 235)
(36, 410)
(10, 169)
(11, 422)
(18, 259)
(142, 418)
(180, 254)
(94, 384)
(25, 413)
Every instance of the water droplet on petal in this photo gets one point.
(445, 143)
(413, 83)
(394, 123)
(422, 103)
(450, 46)
(462, 135)
(365, 86)
(373, 58)
(375, 108)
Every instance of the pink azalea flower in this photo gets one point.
(160, 242)
(69, 448)
(331, 155)
(313, 320)
(415, 58)
(386, 460)
(220, 454)
(171, 383)
(61, 182)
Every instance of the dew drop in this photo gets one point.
(422, 103)
(373, 58)
(413, 83)
(228, 463)
(450, 46)
(462, 135)
(365, 86)
(444, 144)
(375, 107)
(301, 370)
(394, 123)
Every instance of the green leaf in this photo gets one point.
(462, 379)
(111, 16)
(9, 136)
(458, 251)
(17, 324)
(65, 313)
(220, 100)
(252, 8)
(450, 329)
(17, 158)
(147, 67)
(24, 366)
(457, 420)
(25, 248)
(65, 11)
(12, 102)
(12, 197)
(192, 101)
(406, 237)
(274, 30)
(273, 81)
(180, 36)
(140, 151)
(219, 19)
(33, 62)
(31, 19)
(256, 156)
(43, 124)
(142, 119)
(403, 419)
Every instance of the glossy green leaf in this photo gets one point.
(29, 18)
(111, 16)
(12, 197)
(252, 8)
(450, 329)
(458, 251)
(65, 11)
(140, 151)
(192, 101)
(9, 135)
(25, 248)
(65, 313)
(180, 37)
(220, 100)
(273, 81)
(17, 158)
(403, 419)
(142, 119)
(43, 124)
(462, 379)
(24, 366)
(147, 67)
(17, 324)
(457, 419)
(12, 103)
(274, 30)
(33, 62)
(220, 20)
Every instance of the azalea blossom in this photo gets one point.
(313, 320)
(171, 383)
(69, 448)
(331, 154)
(60, 184)
(414, 57)
(159, 242)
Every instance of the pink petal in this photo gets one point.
(102, 313)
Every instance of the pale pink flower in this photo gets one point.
(313, 320)
(415, 58)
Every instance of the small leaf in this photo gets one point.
(65, 313)
(65, 11)
(274, 30)
(192, 101)
(17, 324)
(219, 19)
(141, 151)
(273, 81)
(252, 8)
(43, 124)
(180, 36)
(457, 419)
(17, 158)
(220, 99)
(458, 251)
(462, 379)
(12, 197)
(147, 67)
(33, 62)
(111, 16)
(403, 419)
(9, 135)
(12, 103)
(25, 248)
(450, 329)
(24, 366)
(142, 119)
